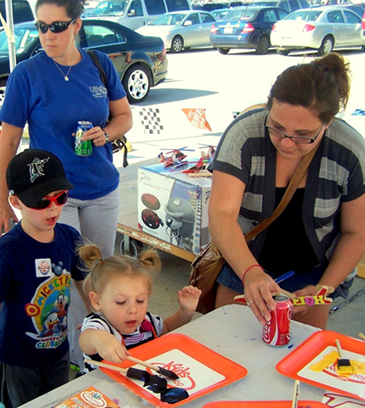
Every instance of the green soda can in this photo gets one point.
(83, 148)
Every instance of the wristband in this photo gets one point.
(250, 267)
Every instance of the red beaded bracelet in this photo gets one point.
(250, 267)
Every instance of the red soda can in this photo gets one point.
(276, 332)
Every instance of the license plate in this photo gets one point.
(285, 40)
(228, 30)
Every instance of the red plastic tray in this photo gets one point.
(201, 370)
(319, 352)
(263, 404)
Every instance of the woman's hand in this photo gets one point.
(97, 135)
(188, 298)
(259, 287)
(310, 290)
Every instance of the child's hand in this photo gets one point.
(109, 348)
(188, 297)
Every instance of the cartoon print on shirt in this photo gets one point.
(49, 305)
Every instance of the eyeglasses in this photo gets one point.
(59, 199)
(56, 27)
(296, 139)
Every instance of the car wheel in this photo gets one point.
(327, 46)
(263, 46)
(136, 83)
(282, 52)
(177, 44)
(223, 51)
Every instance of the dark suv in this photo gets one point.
(288, 5)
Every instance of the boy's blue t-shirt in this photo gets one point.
(37, 92)
(35, 281)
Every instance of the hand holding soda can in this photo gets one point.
(83, 148)
(276, 332)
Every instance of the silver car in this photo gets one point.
(320, 28)
(181, 29)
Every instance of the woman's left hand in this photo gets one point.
(97, 135)
(307, 291)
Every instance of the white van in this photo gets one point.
(23, 10)
(135, 13)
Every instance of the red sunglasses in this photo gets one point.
(59, 199)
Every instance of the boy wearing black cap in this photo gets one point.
(37, 262)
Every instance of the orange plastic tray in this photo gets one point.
(307, 354)
(263, 404)
(197, 355)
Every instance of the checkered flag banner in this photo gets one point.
(151, 121)
(2, 95)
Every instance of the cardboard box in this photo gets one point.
(173, 206)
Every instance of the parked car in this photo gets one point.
(181, 30)
(136, 13)
(288, 5)
(246, 27)
(140, 61)
(321, 28)
(23, 10)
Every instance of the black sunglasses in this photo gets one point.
(56, 27)
(59, 199)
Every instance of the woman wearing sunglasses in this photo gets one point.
(321, 233)
(52, 92)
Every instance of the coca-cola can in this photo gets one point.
(276, 332)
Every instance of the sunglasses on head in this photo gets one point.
(56, 27)
(59, 199)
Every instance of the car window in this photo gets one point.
(23, 37)
(308, 15)
(335, 17)
(294, 5)
(110, 8)
(177, 5)
(155, 7)
(245, 14)
(282, 14)
(97, 35)
(284, 5)
(206, 18)
(194, 18)
(270, 16)
(168, 19)
(352, 18)
(304, 4)
(136, 5)
(21, 11)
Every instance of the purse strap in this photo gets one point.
(298, 175)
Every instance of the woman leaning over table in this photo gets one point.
(52, 91)
(321, 234)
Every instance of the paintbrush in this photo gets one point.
(347, 366)
(294, 403)
(343, 364)
(130, 372)
(166, 373)
(362, 336)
